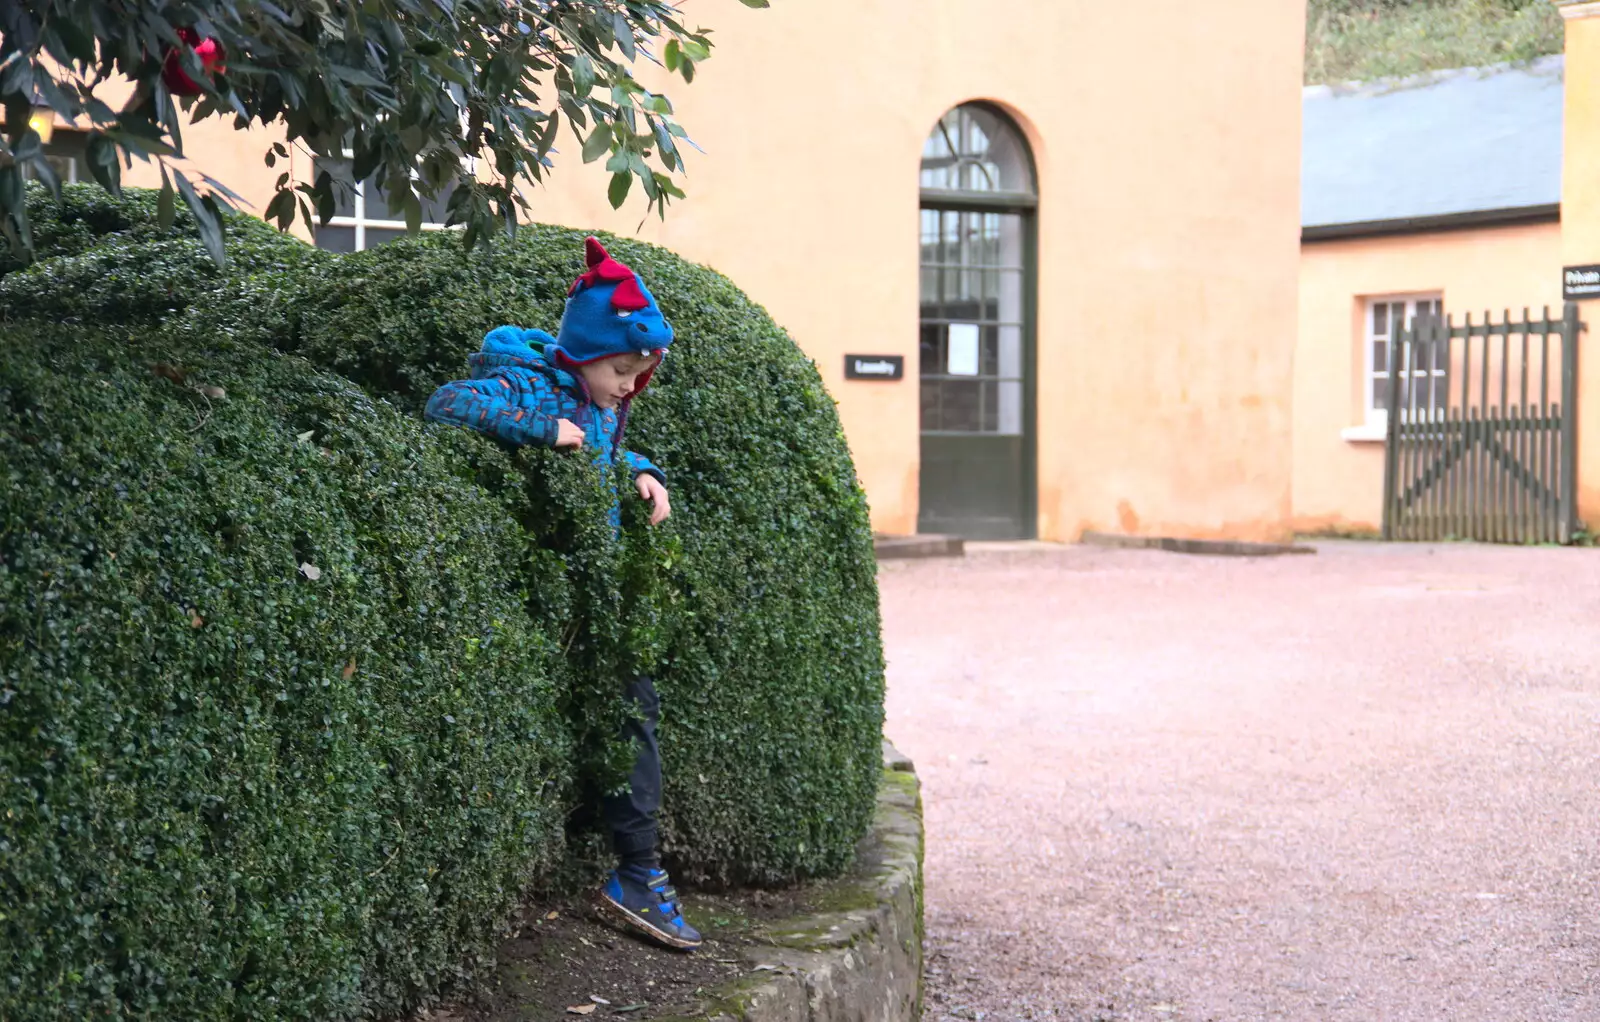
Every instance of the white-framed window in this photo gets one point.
(363, 217)
(1425, 369)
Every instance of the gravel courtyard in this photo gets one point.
(1359, 785)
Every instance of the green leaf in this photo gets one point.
(413, 210)
(618, 191)
(281, 209)
(12, 194)
(547, 136)
(583, 77)
(622, 28)
(667, 186)
(47, 174)
(26, 148)
(356, 75)
(758, 4)
(166, 202)
(78, 43)
(672, 54)
(598, 143)
(205, 215)
(101, 156)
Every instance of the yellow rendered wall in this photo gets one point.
(1338, 482)
(234, 158)
(1167, 141)
(1167, 138)
(1580, 220)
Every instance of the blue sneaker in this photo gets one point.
(643, 899)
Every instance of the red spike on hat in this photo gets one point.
(605, 270)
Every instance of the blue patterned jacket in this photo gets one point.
(517, 395)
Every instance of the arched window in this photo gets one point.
(976, 148)
(976, 350)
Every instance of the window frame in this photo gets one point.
(1375, 419)
(359, 221)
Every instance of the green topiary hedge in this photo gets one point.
(756, 607)
(772, 675)
(278, 738)
(104, 260)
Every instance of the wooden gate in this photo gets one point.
(1481, 441)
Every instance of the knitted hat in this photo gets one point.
(609, 312)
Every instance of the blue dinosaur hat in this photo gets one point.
(609, 313)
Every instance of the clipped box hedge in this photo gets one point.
(772, 672)
(104, 260)
(277, 736)
(756, 608)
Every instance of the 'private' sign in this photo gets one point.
(874, 367)
(1580, 282)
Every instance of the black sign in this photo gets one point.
(1580, 282)
(874, 367)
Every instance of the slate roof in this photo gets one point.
(1455, 142)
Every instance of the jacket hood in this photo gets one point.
(515, 346)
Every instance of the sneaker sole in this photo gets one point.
(619, 914)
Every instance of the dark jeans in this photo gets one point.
(632, 814)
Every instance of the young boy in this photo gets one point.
(574, 394)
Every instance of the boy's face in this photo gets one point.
(611, 379)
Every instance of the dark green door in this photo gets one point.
(976, 351)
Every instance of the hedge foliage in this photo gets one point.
(104, 260)
(771, 675)
(277, 736)
(755, 607)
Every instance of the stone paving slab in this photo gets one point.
(919, 546)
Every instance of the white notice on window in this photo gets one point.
(963, 350)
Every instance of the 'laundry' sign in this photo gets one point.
(874, 367)
(1579, 282)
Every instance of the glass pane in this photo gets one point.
(931, 350)
(989, 411)
(989, 362)
(1380, 356)
(1010, 417)
(1009, 346)
(344, 200)
(381, 207)
(335, 239)
(381, 235)
(975, 148)
(1380, 392)
(930, 404)
(959, 405)
(1380, 319)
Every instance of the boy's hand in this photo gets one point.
(568, 434)
(650, 489)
